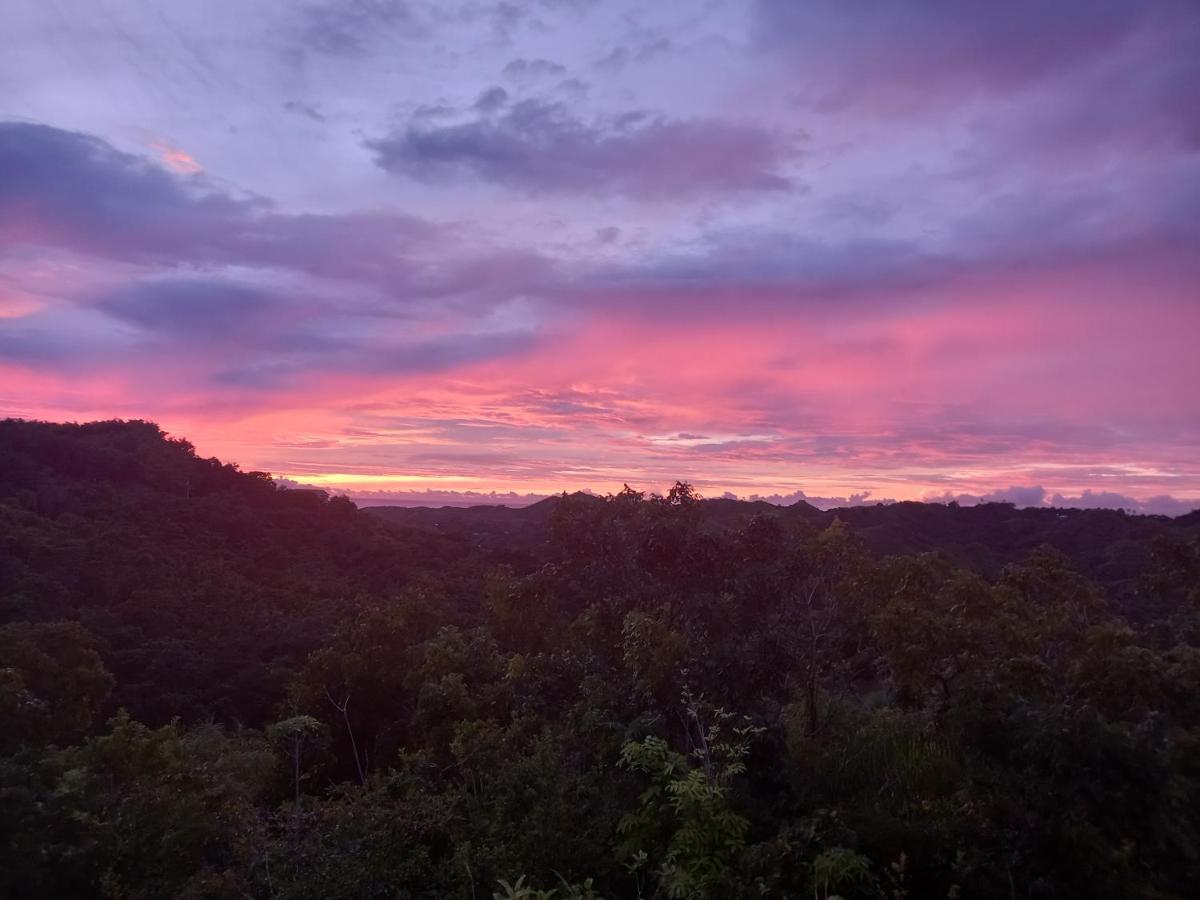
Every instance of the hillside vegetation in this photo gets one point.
(213, 688)
(1109, 545)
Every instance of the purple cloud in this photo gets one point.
(239, 288)
(1018, 496)
(880, 53)
(299, 355)
(193, 309)
(1162, 505)
(1037, 497)
(862, 498)
(72, 191)
(542, 147)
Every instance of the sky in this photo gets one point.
(483, 252)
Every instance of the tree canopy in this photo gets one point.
(211, 687)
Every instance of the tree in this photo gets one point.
(293, 735)
(52, 683)
(824, 612)
(684, 832)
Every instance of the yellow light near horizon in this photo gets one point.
(348, 478)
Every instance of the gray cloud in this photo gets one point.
(530, 70)
(346, 28)
(491, 100)
(619, 57)
(308, 110)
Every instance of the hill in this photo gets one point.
(185, 566)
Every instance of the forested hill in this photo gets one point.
(205, 585)
(1109, 545)
(212, 688)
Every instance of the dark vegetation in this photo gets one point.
(1108, 545)
(213, 688)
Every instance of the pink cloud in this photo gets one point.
(177, 160)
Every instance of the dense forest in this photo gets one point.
(211, 687)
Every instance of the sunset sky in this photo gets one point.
(428, 251)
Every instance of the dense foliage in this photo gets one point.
(214, 688)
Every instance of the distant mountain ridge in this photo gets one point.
(1103, 543)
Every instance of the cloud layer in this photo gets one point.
(778, 249)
